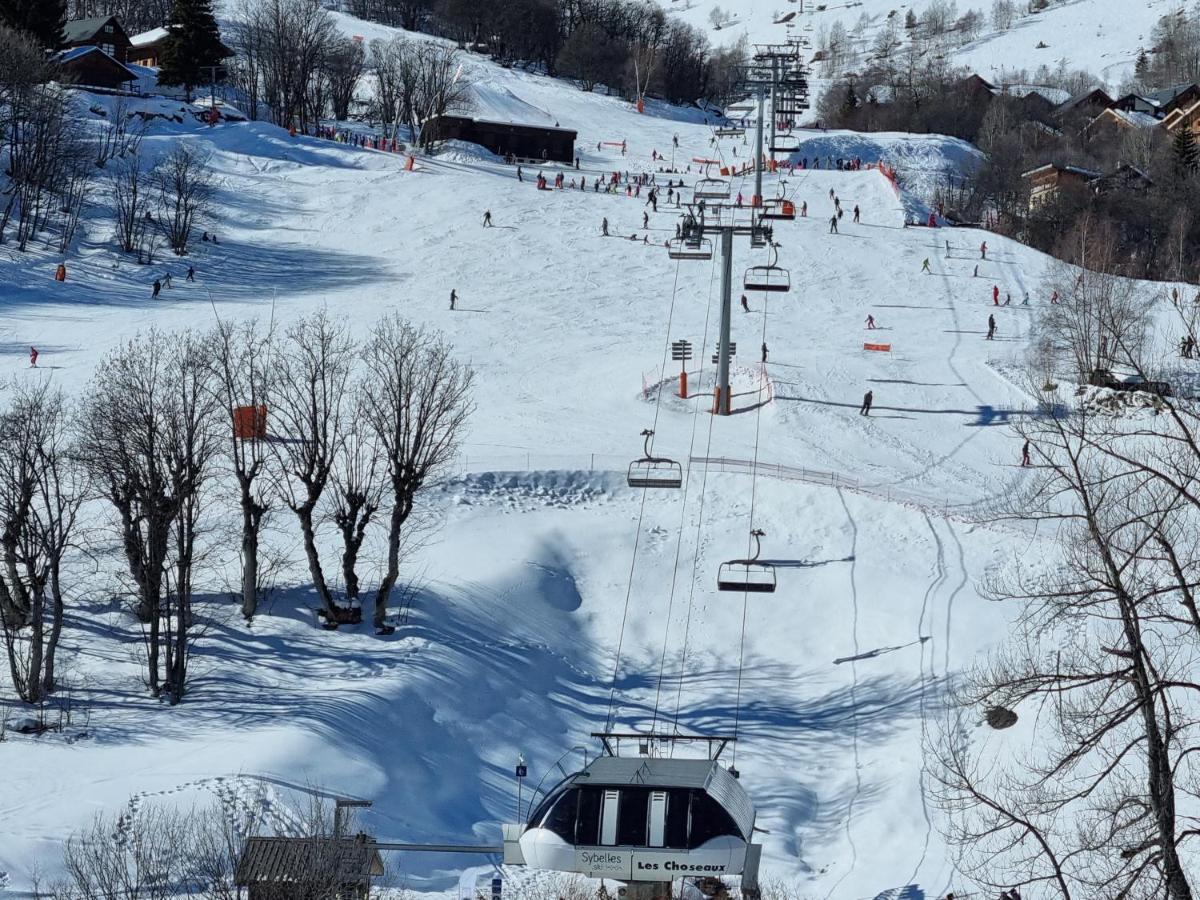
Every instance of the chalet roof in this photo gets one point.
(78, 30)
(1092, 94)
(153, 36)
(1130, 119)
(1166, 95)
(1073, 170)
(1057, 96)
(351, 860)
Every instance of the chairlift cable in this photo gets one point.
(682, 517)
(683, 646)
(737, 706)
(612, 694)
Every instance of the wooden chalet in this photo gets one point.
(104, 32)
(1089, 103)
(324, 868)
(1046, 182)
(91, 67)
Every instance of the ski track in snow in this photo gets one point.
(517, 600)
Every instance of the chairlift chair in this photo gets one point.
(683, 248)
(733, 131)
(784, 210)
(711, 189)
(653, 471)
(785, 143)
(770, 278)
(748, 575)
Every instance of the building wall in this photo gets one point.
(503, 139)
(94, 70)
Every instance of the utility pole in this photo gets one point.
(723, 402)
(774, 102)
(758, 161)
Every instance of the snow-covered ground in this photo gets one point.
(542, 549)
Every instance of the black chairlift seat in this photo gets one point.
(711, 189)
(785, 143)
(770, 278)
(654, 471)
(748, 575)
(683, 248)
(782, 210)
(732, 131)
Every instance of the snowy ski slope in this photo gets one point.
(1101, 36)
(879, 526)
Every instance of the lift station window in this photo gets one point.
(673, 819)
(609, 819)
(658, 819)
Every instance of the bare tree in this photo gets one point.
(1099, 319)
(284, 45)
(345, 65)
(132, 184)
(311, 401)
(417, 399)
(40, 496)
(147, 439)
(185, 189)
(242, 357)
(357, 494)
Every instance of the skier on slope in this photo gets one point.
(157, 289)
(804, 210)
(487, 219)
(453, 299)
(1025, 454)
(764, 351)
(995, 295)
(33, 355)
(856, 213)
(191, 274)
(833, 229)
(925, 267)
(745, 303)
(868, 400)
(870, 322)
(983, 250)
(991, 332)
(645, 220)
(604, 227)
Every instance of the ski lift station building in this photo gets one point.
(533, 142)
(641, 819)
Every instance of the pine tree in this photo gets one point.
(1142, 67)
(43, 19)
(850, 103)
(193, 45)
(1187, 154)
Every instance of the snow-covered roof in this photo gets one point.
(1057, 96)
(153, 36)
(1074, 170)
(1132, 119)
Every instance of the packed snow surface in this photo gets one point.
(545, 561)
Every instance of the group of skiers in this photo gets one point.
(165, 281)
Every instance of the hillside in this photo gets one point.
(545, 565)
(1099, 36)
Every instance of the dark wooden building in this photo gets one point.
(92, 67)
(1089, 104)
(536, 142)
(327, 868)
(104, 32)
